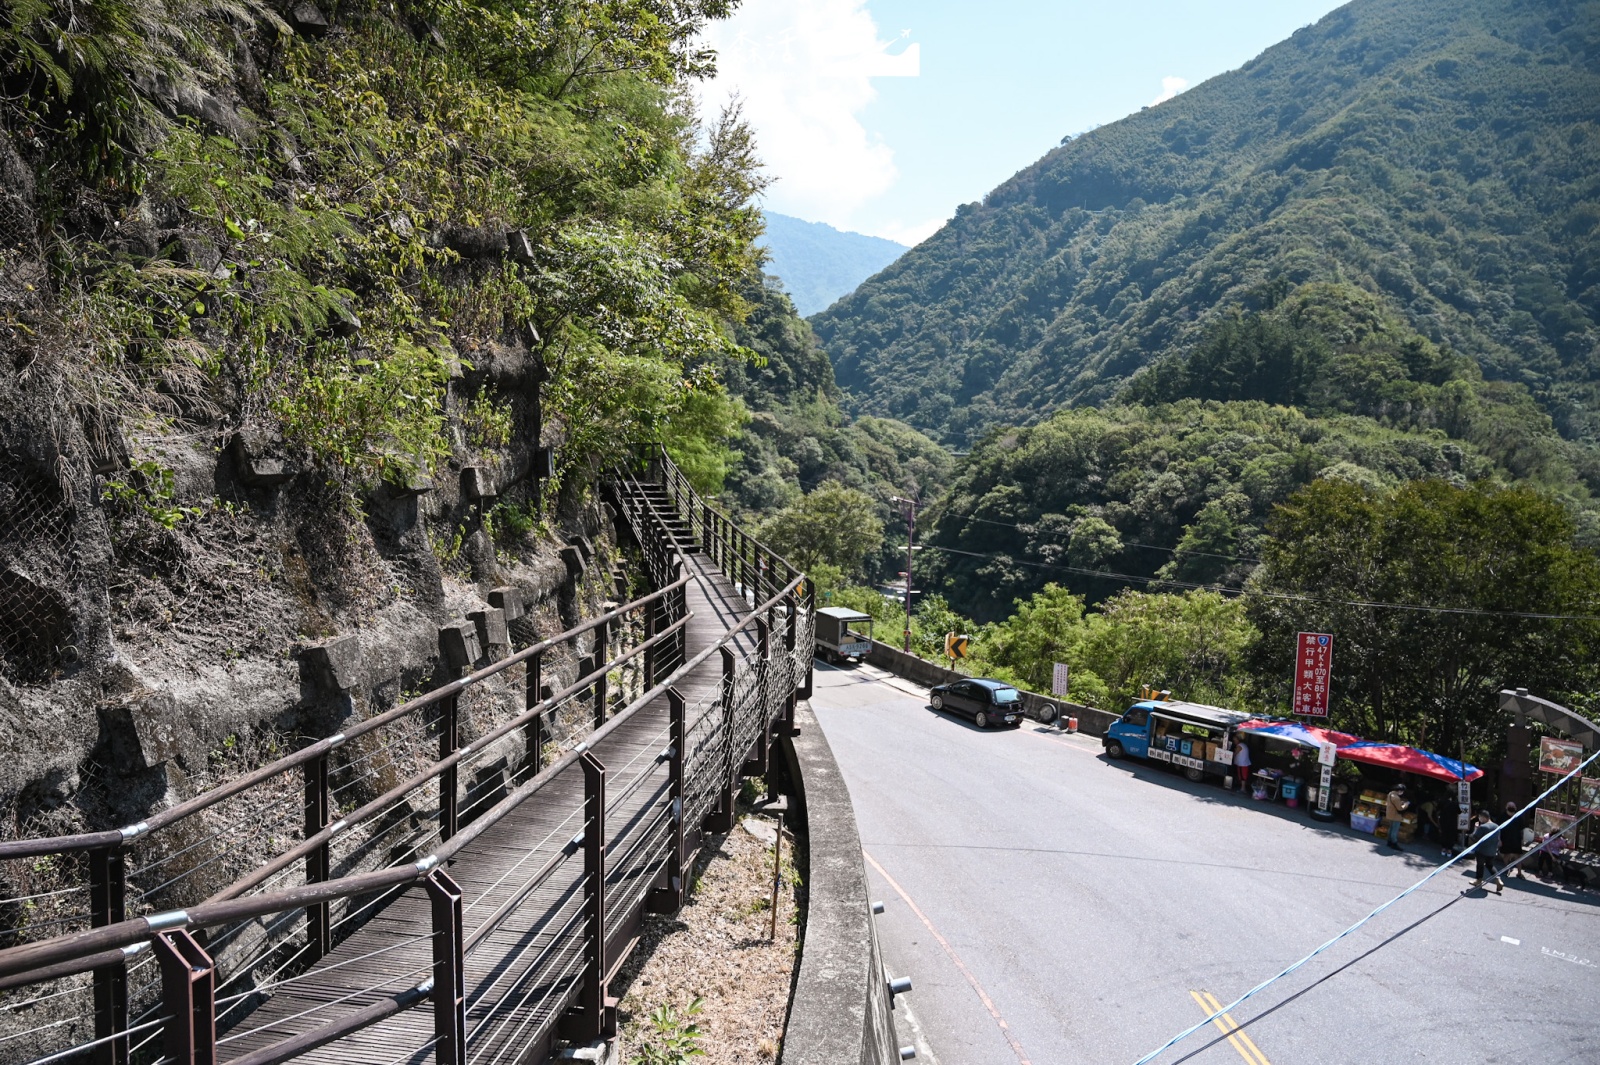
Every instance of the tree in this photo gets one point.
(1192, 643)
(833, 525)
(1467, 564)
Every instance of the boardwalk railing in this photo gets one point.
(181, 938)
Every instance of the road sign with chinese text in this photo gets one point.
(1058, 679)
(1313, 667)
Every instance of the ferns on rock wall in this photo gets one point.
(312, 222)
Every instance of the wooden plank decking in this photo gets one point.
(509, 1014)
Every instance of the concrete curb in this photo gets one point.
(841, 1011)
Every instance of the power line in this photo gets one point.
(1286, 596)
(1131, 578)
(1488, 839)
(1127, 543)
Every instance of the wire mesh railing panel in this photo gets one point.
(38, 572)
(295, 853)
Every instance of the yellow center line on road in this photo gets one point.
(1229, 1027)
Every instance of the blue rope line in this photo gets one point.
(1186, 1033)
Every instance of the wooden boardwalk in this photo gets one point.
(524, 974)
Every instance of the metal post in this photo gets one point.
(650, 629)
(791, 637)
(448, 735)
(449, 985)
(911, 538)
(602, 658)
(534, 731)
(777, 876)
(594, 1016)
(189, 993)
(758, 763)
(318, 926)
(809, 604)
(670, 898)
(680, 610)
(107, 899)
(721, 818)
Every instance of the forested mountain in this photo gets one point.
(797, 437)
(1442, 155)
(817, 263)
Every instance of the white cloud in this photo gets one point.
(910, 233)
(1170, 87)
(803, 72)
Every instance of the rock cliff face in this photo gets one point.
(177, 580)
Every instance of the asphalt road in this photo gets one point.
(1054, 907)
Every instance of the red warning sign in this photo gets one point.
(1313, 667)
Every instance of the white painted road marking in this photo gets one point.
(1513, 942)
(1564, 956)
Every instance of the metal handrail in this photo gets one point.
(436, 769)
(80, 945)
(38, 847)
(647, 829)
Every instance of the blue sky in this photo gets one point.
(881, 116)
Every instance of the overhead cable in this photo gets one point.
(1487, 840)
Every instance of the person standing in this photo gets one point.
(1395, 805)
(1511, 837)
(1483, 849)
(1241, 761)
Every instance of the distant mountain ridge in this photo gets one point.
(818, 263)
(1440, 154)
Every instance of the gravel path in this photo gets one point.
(717, 947)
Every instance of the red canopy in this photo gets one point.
(1410, 760)
(1391, 755)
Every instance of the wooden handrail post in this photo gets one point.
(449, 982)
(107, 906)
(318, 926)
(449, 735)
(189, 994)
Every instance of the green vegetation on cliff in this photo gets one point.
(314, 228)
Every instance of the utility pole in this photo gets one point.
(911, 537)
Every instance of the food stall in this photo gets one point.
(1367, 815)
(1285, 753)
(1289, 748)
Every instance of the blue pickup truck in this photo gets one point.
(1193, 737)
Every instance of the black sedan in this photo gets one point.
(990, 702)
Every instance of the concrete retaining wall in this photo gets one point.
(840, 1013)
(920, 671)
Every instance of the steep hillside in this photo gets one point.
(1442, 154)
(797, 437)
(319, 323)
(817, 263)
